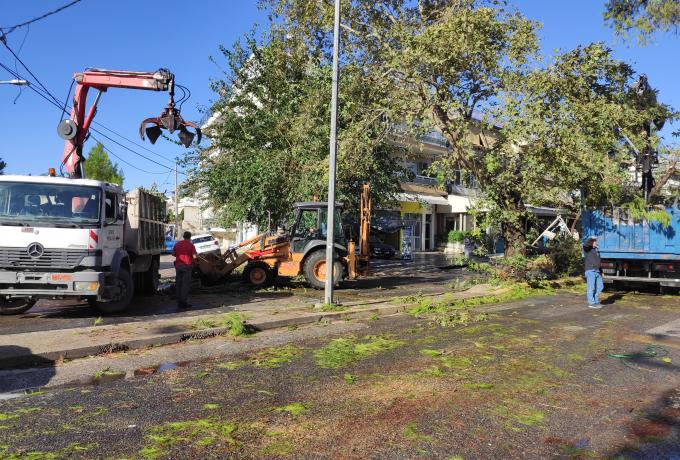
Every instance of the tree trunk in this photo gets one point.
(515, 239)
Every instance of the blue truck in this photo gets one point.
(635, 251)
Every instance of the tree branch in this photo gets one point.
(666, 176)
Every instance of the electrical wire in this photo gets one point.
(129, 140)
(68, 95)
(124, 161)
(131, 150)
(9, 30)
(4, 42)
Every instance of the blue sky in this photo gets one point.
(181, 35)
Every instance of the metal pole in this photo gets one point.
(177, 229)
(14, 82)
(330, 224)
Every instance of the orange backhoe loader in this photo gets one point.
(300, 251)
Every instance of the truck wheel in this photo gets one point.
(259, 274)
(315, 270)
(15, 306)
(120, 303)
(151, 279)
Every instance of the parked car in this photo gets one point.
(381, 250)
(205, 244)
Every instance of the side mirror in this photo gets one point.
(122, 211)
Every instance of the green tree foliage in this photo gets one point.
(644, 16)
(99, 166)
(269, 142)
(530, 133)
(3, 165)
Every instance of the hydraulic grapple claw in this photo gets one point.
(171, 120)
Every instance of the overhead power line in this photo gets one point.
(131, 150)
(8, 30)
(125, 161)
(16, 56)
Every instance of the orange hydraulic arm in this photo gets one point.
(75, 130)
(365, 209)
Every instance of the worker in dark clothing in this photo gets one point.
(593, 273)
(185, 253)
(468, 247)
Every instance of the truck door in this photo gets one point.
(112, 231)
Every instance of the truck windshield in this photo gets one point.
(33, 204)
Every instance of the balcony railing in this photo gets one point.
(425, 180)
(432, 137)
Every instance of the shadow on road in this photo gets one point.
(654, 433)
(20, 368)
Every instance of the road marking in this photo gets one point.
(651, 340)
(671, 329)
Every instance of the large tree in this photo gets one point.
(99, 166)
(644, 16)
(270, 133)
(470, 66)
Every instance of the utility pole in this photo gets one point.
(177, 229)
(330, 224)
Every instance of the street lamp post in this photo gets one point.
(14, 82)
(330, 224)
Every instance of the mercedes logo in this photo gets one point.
(35, 250)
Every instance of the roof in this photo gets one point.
(422, 189)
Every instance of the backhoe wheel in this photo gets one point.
(315, 270)
(259, 274)
(15, 306)
(126, 290)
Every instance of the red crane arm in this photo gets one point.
(75, 130)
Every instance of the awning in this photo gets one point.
(421, 198)
(544, 211)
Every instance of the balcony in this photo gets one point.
(432, 137)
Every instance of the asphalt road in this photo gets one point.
(389, 278)
(535, 380)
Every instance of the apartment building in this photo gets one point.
(428, 209)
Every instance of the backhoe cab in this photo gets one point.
(307, 253)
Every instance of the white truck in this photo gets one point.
(77, 238)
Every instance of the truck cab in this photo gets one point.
(66, 238)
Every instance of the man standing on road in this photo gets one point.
(593, 274)
(185, 253)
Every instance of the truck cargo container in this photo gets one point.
(635, 251)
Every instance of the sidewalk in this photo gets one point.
(40, 347)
